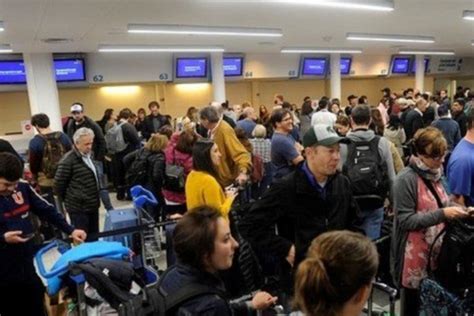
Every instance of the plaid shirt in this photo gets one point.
(262, 148)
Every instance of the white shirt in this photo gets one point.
(323, 117)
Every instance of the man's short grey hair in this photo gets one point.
(83, 131)
(210, 114)
(218, 106)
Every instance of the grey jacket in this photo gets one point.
(407, 219)
(384, 151)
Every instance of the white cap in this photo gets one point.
(76, 108)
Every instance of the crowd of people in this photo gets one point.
(316, 179)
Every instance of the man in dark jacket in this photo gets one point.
(457, 109)
(99, 148)
(414, 118)
(130, 136)
(76, 183)
(315, 197)
(80, 120)
(154, 121)
(18, 278)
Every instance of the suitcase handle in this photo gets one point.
(142, 196)
(38, 257)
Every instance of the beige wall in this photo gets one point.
(176, 98)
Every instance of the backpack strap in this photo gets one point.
(430, 187)
(167, 303)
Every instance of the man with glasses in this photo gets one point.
(461, 167)
(18, 279)
(314, 198)
(285, 151)
(99, 147)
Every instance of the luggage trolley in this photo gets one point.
(138, 231)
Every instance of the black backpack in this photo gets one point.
(53, 151)
(174, 176)
(367, 171)
(137, 173)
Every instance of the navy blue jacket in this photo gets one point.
(206, 304)
(16, 263)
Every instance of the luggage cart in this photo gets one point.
(145, 232)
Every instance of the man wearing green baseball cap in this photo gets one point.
(312, 199)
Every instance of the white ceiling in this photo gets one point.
(92, 22)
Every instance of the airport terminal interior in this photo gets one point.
(236, 157)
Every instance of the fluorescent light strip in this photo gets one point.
(468, 15)
(2, 28)
(426, 52)
(5, 48)
(203, 30)
(308, 50)
(389, 38)
(157, 49)
(371, 5)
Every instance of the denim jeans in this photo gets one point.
(103, 192)
(371, 222)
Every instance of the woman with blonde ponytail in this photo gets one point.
(336, 277)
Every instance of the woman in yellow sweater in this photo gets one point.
(201, 186)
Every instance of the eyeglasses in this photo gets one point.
(76, 113)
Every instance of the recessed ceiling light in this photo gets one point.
(425, 52)
(371, 5)
(5, 48)
(389, 38)
(203, 30)
(2, 28)
(310, 50)
(158, 49)
(468, 15)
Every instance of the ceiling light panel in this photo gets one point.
(370, 5)
(425, 52)
(203, 30)
(313, 50)
(2, 28)
(389, 38)
(158, 49)
(468, 15)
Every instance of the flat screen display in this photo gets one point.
(401, 65)
(69, 70)
(12, 72)
(346, 65)
(191, 67)
(233, 66)
(314, 67)
(427, 62)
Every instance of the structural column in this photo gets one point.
(42, 88)
(420, 73)
(336, 76)
(218, 82)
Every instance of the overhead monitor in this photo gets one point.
(12, 72)
(68, 70)
(233, 66)
(191, 67)
(346, 65)
(313, 66)
(427, 62)
(400, 65)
